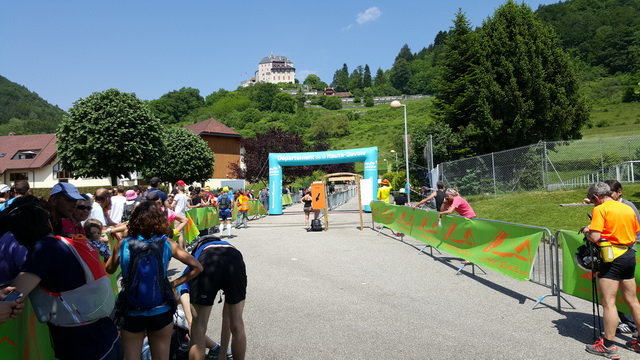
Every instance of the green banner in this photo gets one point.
(25, 338)
(508, 249)
(203, 217)
(575, 280)
(256, 208)
(286, 199)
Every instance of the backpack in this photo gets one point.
(224, 202)
(126, 212)
(146, 285)
(316, 225)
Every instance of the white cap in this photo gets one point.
(4, 188)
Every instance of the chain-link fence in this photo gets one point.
(546, 165)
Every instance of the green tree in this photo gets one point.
(108, 134)
(366, 77)
(283, 103)
(400, 74)
(457, 74)
(531, 87)
(332, 103)
(405, 53)
(262, 94)
(183, 156)
(314, 82)
(215, 96)
(173, 106)
(380, 78)
(513, 86)
(355, 79)
(341, 79)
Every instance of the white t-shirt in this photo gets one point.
(180, 202)
(117, 206)
(98, 214)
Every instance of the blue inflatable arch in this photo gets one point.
(277, 160)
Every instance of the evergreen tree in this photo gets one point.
(355, 79)
(366, 77)
(400, 74)
(405, 53)
(341, 79)
(380, 78)
(454, 102)
(511, 86)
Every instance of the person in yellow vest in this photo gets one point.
(243, 209)
(383, 192)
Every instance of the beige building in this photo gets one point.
(275, 69)
(34, 158)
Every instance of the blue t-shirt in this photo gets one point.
(124, 265)
(6, 204)
(12, 256)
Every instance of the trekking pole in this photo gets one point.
(594, 298)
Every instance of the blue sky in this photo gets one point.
(66, 50)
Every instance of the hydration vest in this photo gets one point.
(83, 305)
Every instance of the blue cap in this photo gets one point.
(68, 190)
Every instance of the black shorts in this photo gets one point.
(621, 268)
(224, 270)
(137, 324)
(224, 215)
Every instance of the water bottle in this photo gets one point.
(606, 250)
(439, 222)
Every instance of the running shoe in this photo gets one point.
(598, 348)
(214, 354)
(633, 345)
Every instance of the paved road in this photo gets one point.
(351, 294)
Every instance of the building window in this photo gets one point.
(18, 176)
(25, 154)
(60, 174)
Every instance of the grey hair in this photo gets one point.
(599, 189)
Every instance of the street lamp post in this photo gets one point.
(396, 154)
(397, 104)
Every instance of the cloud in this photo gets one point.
(370, 14)
(347, 28)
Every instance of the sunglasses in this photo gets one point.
(82, 207)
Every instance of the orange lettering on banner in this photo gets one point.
(518, 249)
(8, 340)
(387, 214)
(497, 241)
(423, 227)
(451, 230)
(405, 225)
(586, 275)
(468, 237)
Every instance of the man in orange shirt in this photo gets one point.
(617, 223)
(243, 209)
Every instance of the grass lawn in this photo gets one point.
(542, 208)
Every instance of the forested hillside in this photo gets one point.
(24, 112)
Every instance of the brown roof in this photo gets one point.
(212, 127)
(43, 144)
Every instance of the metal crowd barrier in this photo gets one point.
(341, 197)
